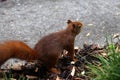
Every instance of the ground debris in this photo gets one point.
(69, 70)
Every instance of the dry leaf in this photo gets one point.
(58, 78)
(36, 70)
(76, 47)
(116, 35)
(118, 13)
(73, 71)
(77, 79)
(88, 34)
(31, 77)
(104, 54)
(90, 24)
(72, 62)
(83, 72)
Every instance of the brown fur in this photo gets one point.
(16, 49)
(51, 46)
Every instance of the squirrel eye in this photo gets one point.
(79, 26)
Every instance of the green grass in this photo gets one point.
(9, 76)
(110, 66)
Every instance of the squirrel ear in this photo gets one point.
(69, 21)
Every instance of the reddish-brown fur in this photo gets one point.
(47, 50)
(51, 46)
(16, 49)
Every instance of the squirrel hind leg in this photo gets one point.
(55, 70)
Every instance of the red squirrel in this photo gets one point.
(16, 49)
(51, 46)
(47, 50)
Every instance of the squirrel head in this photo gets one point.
(74, 27)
